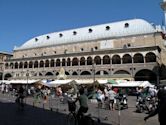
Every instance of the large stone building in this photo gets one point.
(3, 56)
(131, 49)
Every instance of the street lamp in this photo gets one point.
(27, 75)
(93, 66)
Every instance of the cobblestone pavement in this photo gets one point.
(54, 112)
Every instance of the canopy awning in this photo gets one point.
(4, 81)
(56, 83)
(23, 81)
(133, 84)
(84, 81)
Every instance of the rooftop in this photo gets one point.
(90, 33)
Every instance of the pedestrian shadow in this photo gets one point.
(10, 114)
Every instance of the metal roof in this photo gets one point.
(90, 33)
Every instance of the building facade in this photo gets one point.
(131, 49)
(3, 56)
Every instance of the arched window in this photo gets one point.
(63, 62)
(36, 64)
(106, 59)
(126, 59)
(75, 62)
(89, 60)
(41, 63)
(150, 57)
(25, 65)
(6, 65)
(97, 60)
(138, 58)
(11, 65)
(82, 61)
(116, 59)
(52, 63)
(47, 63)
(30, 64)
(58, 62)
(21, 65)
(16, 65)
(68, 62)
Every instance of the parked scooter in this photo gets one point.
(140, 105)
(121, 102)
(146, 105)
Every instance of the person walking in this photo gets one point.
(83, 101)
(161, 108)
(111, 97)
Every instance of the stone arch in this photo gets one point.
(16, 65)
(150, 57)
(146, 75)
(20, 65)
(63, 62)
(126, 59)
(30, 64)
(58, 62)
(82, 61)
(11, 65)
(97, 60)
(85, 73)
(36, 64)
(25, 65)
(74, 73)
(75, 62)
(116, 59)
(41, 64)
(47, 63)
(106, 59)
(52, 62)
(7, 76)
(49, 74)
(121, 72)
(68, 62)
(89, 60)
(138, 58)
(6, 65)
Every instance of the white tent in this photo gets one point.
(127, 84)
(102, 81)
(56, 83)
(133, 84)
(146, 84)
(45, 83)
(22, 81)
(4, 81)
(84, 81)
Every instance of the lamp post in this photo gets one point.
(93, 66)
(27, 75)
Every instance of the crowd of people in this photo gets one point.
(101, 94)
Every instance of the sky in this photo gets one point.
(22, 20)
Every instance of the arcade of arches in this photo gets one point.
(105, 61)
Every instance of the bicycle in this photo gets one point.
(72, 118)
(20, 101)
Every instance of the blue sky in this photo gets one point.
(21, 20)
